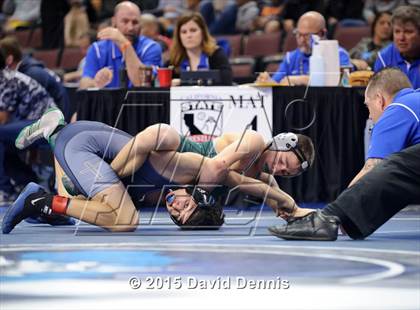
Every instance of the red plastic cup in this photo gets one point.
(165, 77)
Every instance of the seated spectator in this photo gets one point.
(373, 7)
(22, 101)
(52, 26)
(294, 9)
(344, 13)
(236, 18)
(24, 13)
(121, 47)
(195, 49)
(295, 67)
(36, 70)
(364, 53)
(168, 12)
(85, 40)
(204, 7)
(150, 28)
(76, 23)
(269, 17)
(404, 52)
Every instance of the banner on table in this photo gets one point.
(207, 112)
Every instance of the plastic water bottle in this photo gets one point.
(345, 79)
(316, 64)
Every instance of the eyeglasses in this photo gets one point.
(298, 34)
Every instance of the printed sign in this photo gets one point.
(207, 112)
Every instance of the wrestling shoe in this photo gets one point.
(43, 127)
(314, 226)
(32, 200)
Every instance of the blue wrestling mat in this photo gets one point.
(240, 266)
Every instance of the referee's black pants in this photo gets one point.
(380, 194)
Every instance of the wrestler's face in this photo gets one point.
(283, 163)
(407, 39)
(180, 204)
(191, 35)
(127, 20)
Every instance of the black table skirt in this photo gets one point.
(129, 111)
(337, 131)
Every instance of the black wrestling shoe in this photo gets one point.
(314, 226)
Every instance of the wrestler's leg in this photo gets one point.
(111, 209)
(159, 137)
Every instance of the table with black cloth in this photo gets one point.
(337, 132)
(130, 111)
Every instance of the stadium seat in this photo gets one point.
(348, 37)
(235, 42)
(71, 58)
(289, 42)
(242, 67)
(29, 38)
(48, 57)
(262, 44)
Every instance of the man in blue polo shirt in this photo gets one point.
(121, 47)
(295, 67)
(404, 52)
(394, 107)
(375, 195)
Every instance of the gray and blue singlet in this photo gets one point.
(85, 150)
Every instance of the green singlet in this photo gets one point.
(205, 149)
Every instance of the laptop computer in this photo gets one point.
(201, 78)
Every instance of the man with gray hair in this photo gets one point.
(375, 194)
(404, 52)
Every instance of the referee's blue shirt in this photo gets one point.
(390, 57)
(106, 53)
(297, 63)
(399, 125)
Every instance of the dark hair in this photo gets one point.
(407, 14)
(203, 218)
(306, 146)
(11, 46)
(178, 52)
(2, 60)
(376, 20)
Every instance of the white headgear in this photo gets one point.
(288, 141)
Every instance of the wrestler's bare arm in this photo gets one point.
(162, 138)
(260, 189)
(240, 153)
(271, 181)
(159, 137)
(297, 212)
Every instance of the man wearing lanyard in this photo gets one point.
(295, 67)
(120, 46)
(404, 53)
